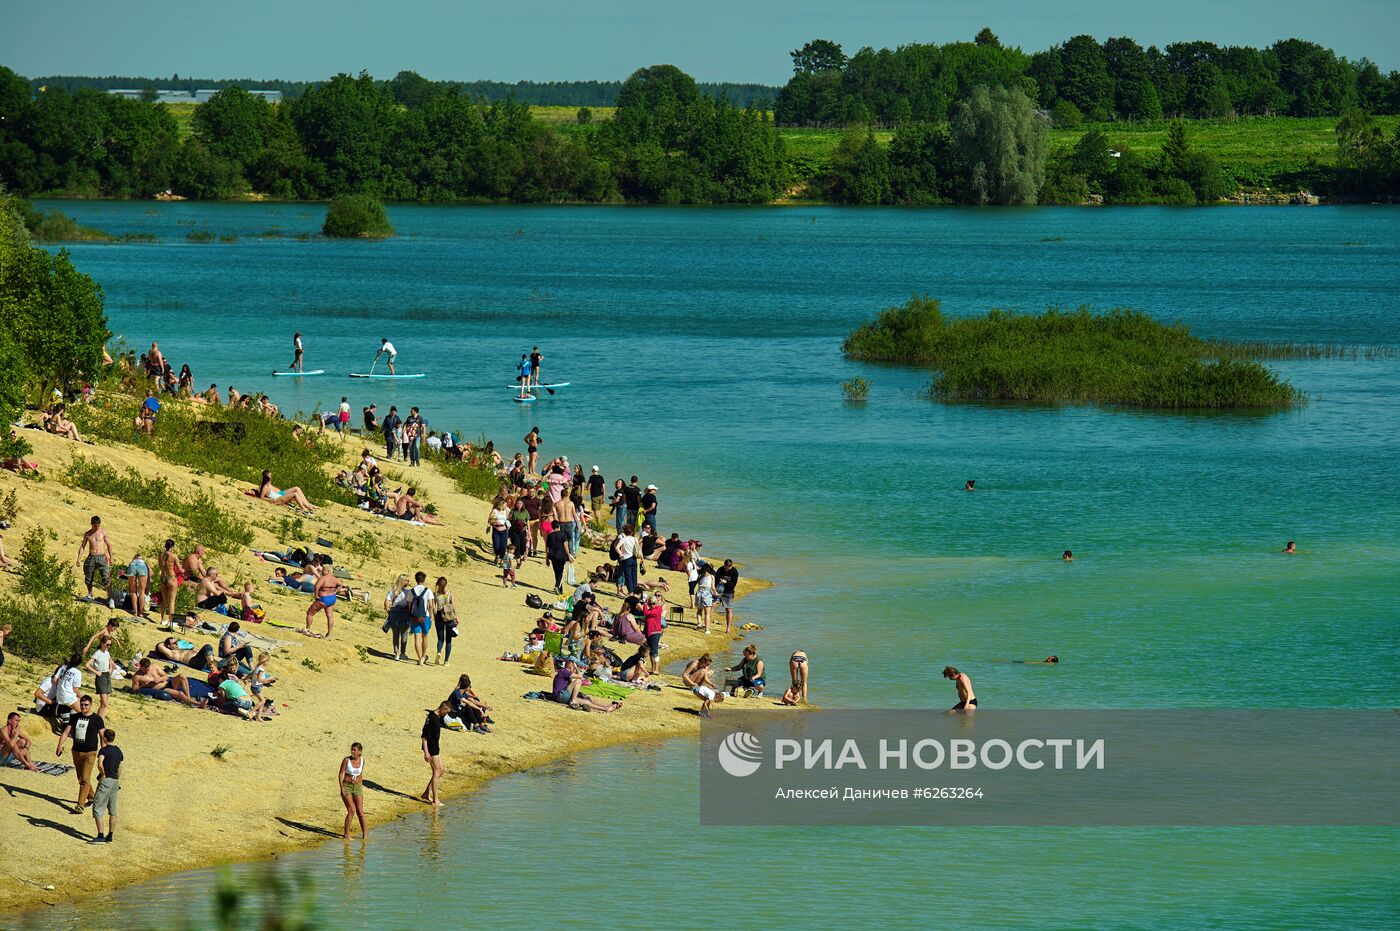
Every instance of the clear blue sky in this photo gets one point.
(735, 40)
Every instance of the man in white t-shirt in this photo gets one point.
(387, 348)
(421, 607)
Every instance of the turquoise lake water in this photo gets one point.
(703, 351)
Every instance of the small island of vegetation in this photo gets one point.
(357, 215)
(1121, 357)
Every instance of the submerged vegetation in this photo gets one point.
(1119, 357)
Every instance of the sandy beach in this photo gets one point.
(274, 789)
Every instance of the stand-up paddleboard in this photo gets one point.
(298, 374)
(523, 400)
(562, 384)
(371, 375)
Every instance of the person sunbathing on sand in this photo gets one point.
(289, 496)
(14, 745)
(154, 683)
(19, 463)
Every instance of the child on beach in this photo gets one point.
(699, 675)
(793, 695)
(508, 567)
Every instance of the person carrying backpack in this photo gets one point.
(421, 607)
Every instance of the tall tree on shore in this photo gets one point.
(1086, 82)
(998, 146)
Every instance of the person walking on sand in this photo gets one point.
(343, 418)
(84, 728)
(421, 606)
(298, 353)
(432, 752)
(350, 778)
(387, 348)
(104, 800)
(967, 701)
(323, 598)
(99, 559)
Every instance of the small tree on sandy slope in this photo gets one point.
(998, 145)
(53, 311)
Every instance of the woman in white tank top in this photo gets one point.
(350, 778)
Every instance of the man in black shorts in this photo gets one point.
(432, 752)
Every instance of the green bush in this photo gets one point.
(478, 480)
(49, 625)
(1120, 357)
(856, 389)
(357, 215)
(236, 443)
(205, 521)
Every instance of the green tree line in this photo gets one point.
(1081, 79)
(669, 143)
(538, 93)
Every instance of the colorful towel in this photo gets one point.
(48, 769)
(607, 691)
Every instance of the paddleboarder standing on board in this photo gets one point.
(535, 359)
(387, 348)
(296, 346)
(523, 368)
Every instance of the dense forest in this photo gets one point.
(540, 93)
(667, 143)
(1082, 79)
(965, 122)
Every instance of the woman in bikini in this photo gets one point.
(797, 665)
(350, 778)
(170, 579)
(289, 496)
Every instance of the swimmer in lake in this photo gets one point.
(1068, 556)
(970, 485)
(1291, 548)
(1050, 660)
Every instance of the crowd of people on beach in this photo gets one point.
(549, 511)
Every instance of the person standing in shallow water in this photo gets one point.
(350, 777)
(432, 752)
(967, 700)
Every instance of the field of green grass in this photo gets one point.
(1254, 150)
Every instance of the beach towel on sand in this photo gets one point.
(606, 691)
(48, 769)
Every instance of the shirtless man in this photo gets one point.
(99, 559)
(201, 659)
(153, 683)
(212, 396)
(233, 396)
(1291, 548)
(212, 592)
(194, 565)
(13, 743)
(323, 598)
(169, 580)
(967, 701)
(154, 359)
(106, 630)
